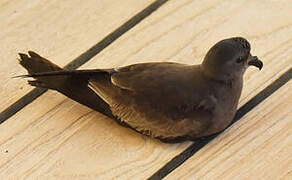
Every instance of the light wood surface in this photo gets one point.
(259, 146)
(84, 144)
(61, 30)
(54, 137)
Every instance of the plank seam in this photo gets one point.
(243, 110)
(83, 58)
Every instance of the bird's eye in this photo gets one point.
(239, 60)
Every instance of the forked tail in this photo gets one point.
(73, 84)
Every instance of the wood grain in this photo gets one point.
(257, 147)
(61, 30)
(54, 137)
(70, 141)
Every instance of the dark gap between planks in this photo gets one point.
(197, 145)
(83, 58)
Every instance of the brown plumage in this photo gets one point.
(169, 101)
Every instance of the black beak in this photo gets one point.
(254, 61)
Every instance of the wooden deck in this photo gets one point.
(44, 135)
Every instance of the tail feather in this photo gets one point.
(73, 84)
(34, 63)
(87, 73)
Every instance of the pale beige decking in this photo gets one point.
(56, 138)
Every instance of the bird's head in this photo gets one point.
(228, 59)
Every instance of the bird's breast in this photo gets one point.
(227, 102)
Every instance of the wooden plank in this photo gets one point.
(56, 137)
(72, 141)
(60, 29)
(257, 147)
